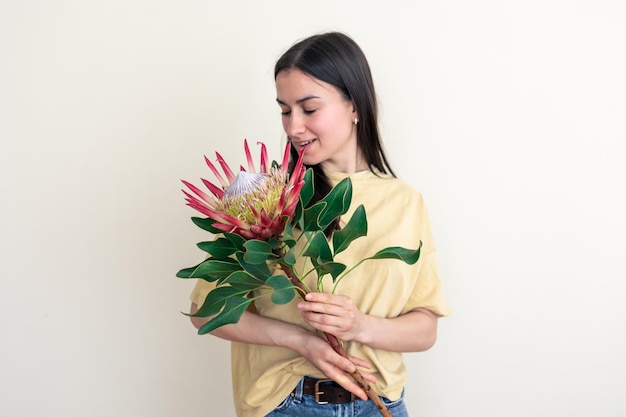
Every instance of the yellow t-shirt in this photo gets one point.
(264, 375)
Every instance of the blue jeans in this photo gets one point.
(298, 404)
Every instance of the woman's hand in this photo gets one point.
(256, 329)
(321, 355)
(413, 331)
(334, 314)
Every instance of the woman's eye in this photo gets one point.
(309, 111)
(285, 113)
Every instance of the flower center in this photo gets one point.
(259, 190)
(244, 183)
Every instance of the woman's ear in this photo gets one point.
(355, 116)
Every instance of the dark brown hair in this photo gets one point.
(336, 59)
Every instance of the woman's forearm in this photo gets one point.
(258, 330)
(255, 329)
(415, 331)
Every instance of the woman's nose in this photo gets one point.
(295, 125)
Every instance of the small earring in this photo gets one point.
(356, 121)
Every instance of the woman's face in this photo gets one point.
(315, 114)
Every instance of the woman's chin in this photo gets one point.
(310, 160)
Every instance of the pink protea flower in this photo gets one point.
(255, 205)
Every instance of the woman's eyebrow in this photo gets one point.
(299, 101)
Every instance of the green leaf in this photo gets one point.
(338, 200)
(206, 224)
(210, 269)
(297, 215)
(243, 281)
(259, 271)
(306, 193)
(220, 248)
(284, 290)
(216, 268)
(290, 258)
(273, 242)
(319, 249)
(311, 217)
(187, 272)
(356, 227)
(257, 252)
(215, 301)
(288, 236)
(237, 240)
(333, 268)
(233, 309)
(406, 255)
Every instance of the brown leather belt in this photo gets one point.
(326, 391)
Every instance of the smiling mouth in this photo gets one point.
(305, 143)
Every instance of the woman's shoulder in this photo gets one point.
(391, 190)
(396, 184)
(373, 184)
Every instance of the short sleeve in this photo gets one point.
(200, 291)
(427, 292)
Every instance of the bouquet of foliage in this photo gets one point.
(258, 217)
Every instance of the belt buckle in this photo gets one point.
(318, 392)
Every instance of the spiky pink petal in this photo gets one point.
(248, 156)
(297, 188)
(298, 170)
(213, 213)
(193, 199)
(285, 165)
(199, 207)
(227, 171)
(254, 211)
(262, 232)
(264, 158)
(228, 219)
(265, 218)
(276, 223)
(228, 228)
(290, 209)
(247, 234)
(219, 193)
(198, 191)
(216, 172)
(281, 203)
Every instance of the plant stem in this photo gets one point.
(358, 377)
(335, 343)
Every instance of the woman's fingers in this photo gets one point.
(335, 314)
(363, 364)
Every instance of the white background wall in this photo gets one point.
(508, 116)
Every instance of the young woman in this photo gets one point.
(328, 104)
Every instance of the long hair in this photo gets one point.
(336, 59)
